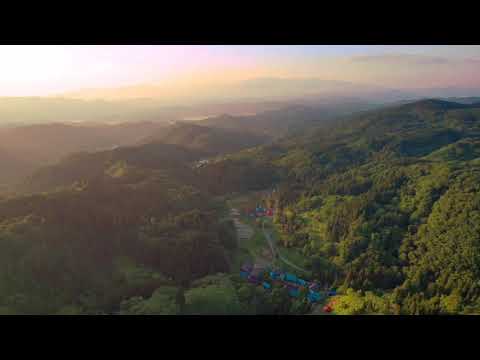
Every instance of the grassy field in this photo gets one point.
(258, 244)
(294, 255)
(252, 248)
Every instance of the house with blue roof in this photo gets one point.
(274, 275)
(301, 282)
(313, 296)
(290, 277)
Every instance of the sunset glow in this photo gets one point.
(55, 70)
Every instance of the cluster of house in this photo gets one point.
(294, 285)
(259, 211)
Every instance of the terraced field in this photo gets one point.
(244, 231)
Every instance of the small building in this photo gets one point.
(243, 274)
(290, 277)
(301, 282)
(266, 285)
(313, 296)
(274, 275)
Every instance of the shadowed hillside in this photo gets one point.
(208, 140)
(34, 146)
(124, 164)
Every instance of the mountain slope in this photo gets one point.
(273, 123)
(172, 148)
(114, 237)
(385, 201)
(34, 146)
(50, 142)
(206, 139)
(97, 232)
(294, 119)
(125, 164)
(12, 168)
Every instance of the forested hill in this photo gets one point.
(275, 123)
(400, 132)
(170, 162)
(173, 149)
(13, 167)
(209, 140)
(108, 230)
(387, 201)
(384, 204)
(293, 119)
(37, 145)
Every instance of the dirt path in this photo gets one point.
(245, 232)
(276, 254)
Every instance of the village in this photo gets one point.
(267, 275)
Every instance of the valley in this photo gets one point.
(182, 179)
(380, 205)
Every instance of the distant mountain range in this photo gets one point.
(266, 89)
(211, 137)
(40, 110)
(164, 103)
(288, 120)
(253, 90)
(26, 148)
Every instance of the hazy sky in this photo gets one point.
(45, 70)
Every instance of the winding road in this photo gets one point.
(244, 232)
(276, 254)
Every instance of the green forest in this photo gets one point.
(383, 205)
(386, 206)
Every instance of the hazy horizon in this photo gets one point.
(182, 73)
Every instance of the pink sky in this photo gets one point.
(46, 70)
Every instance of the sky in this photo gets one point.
(41, 70)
